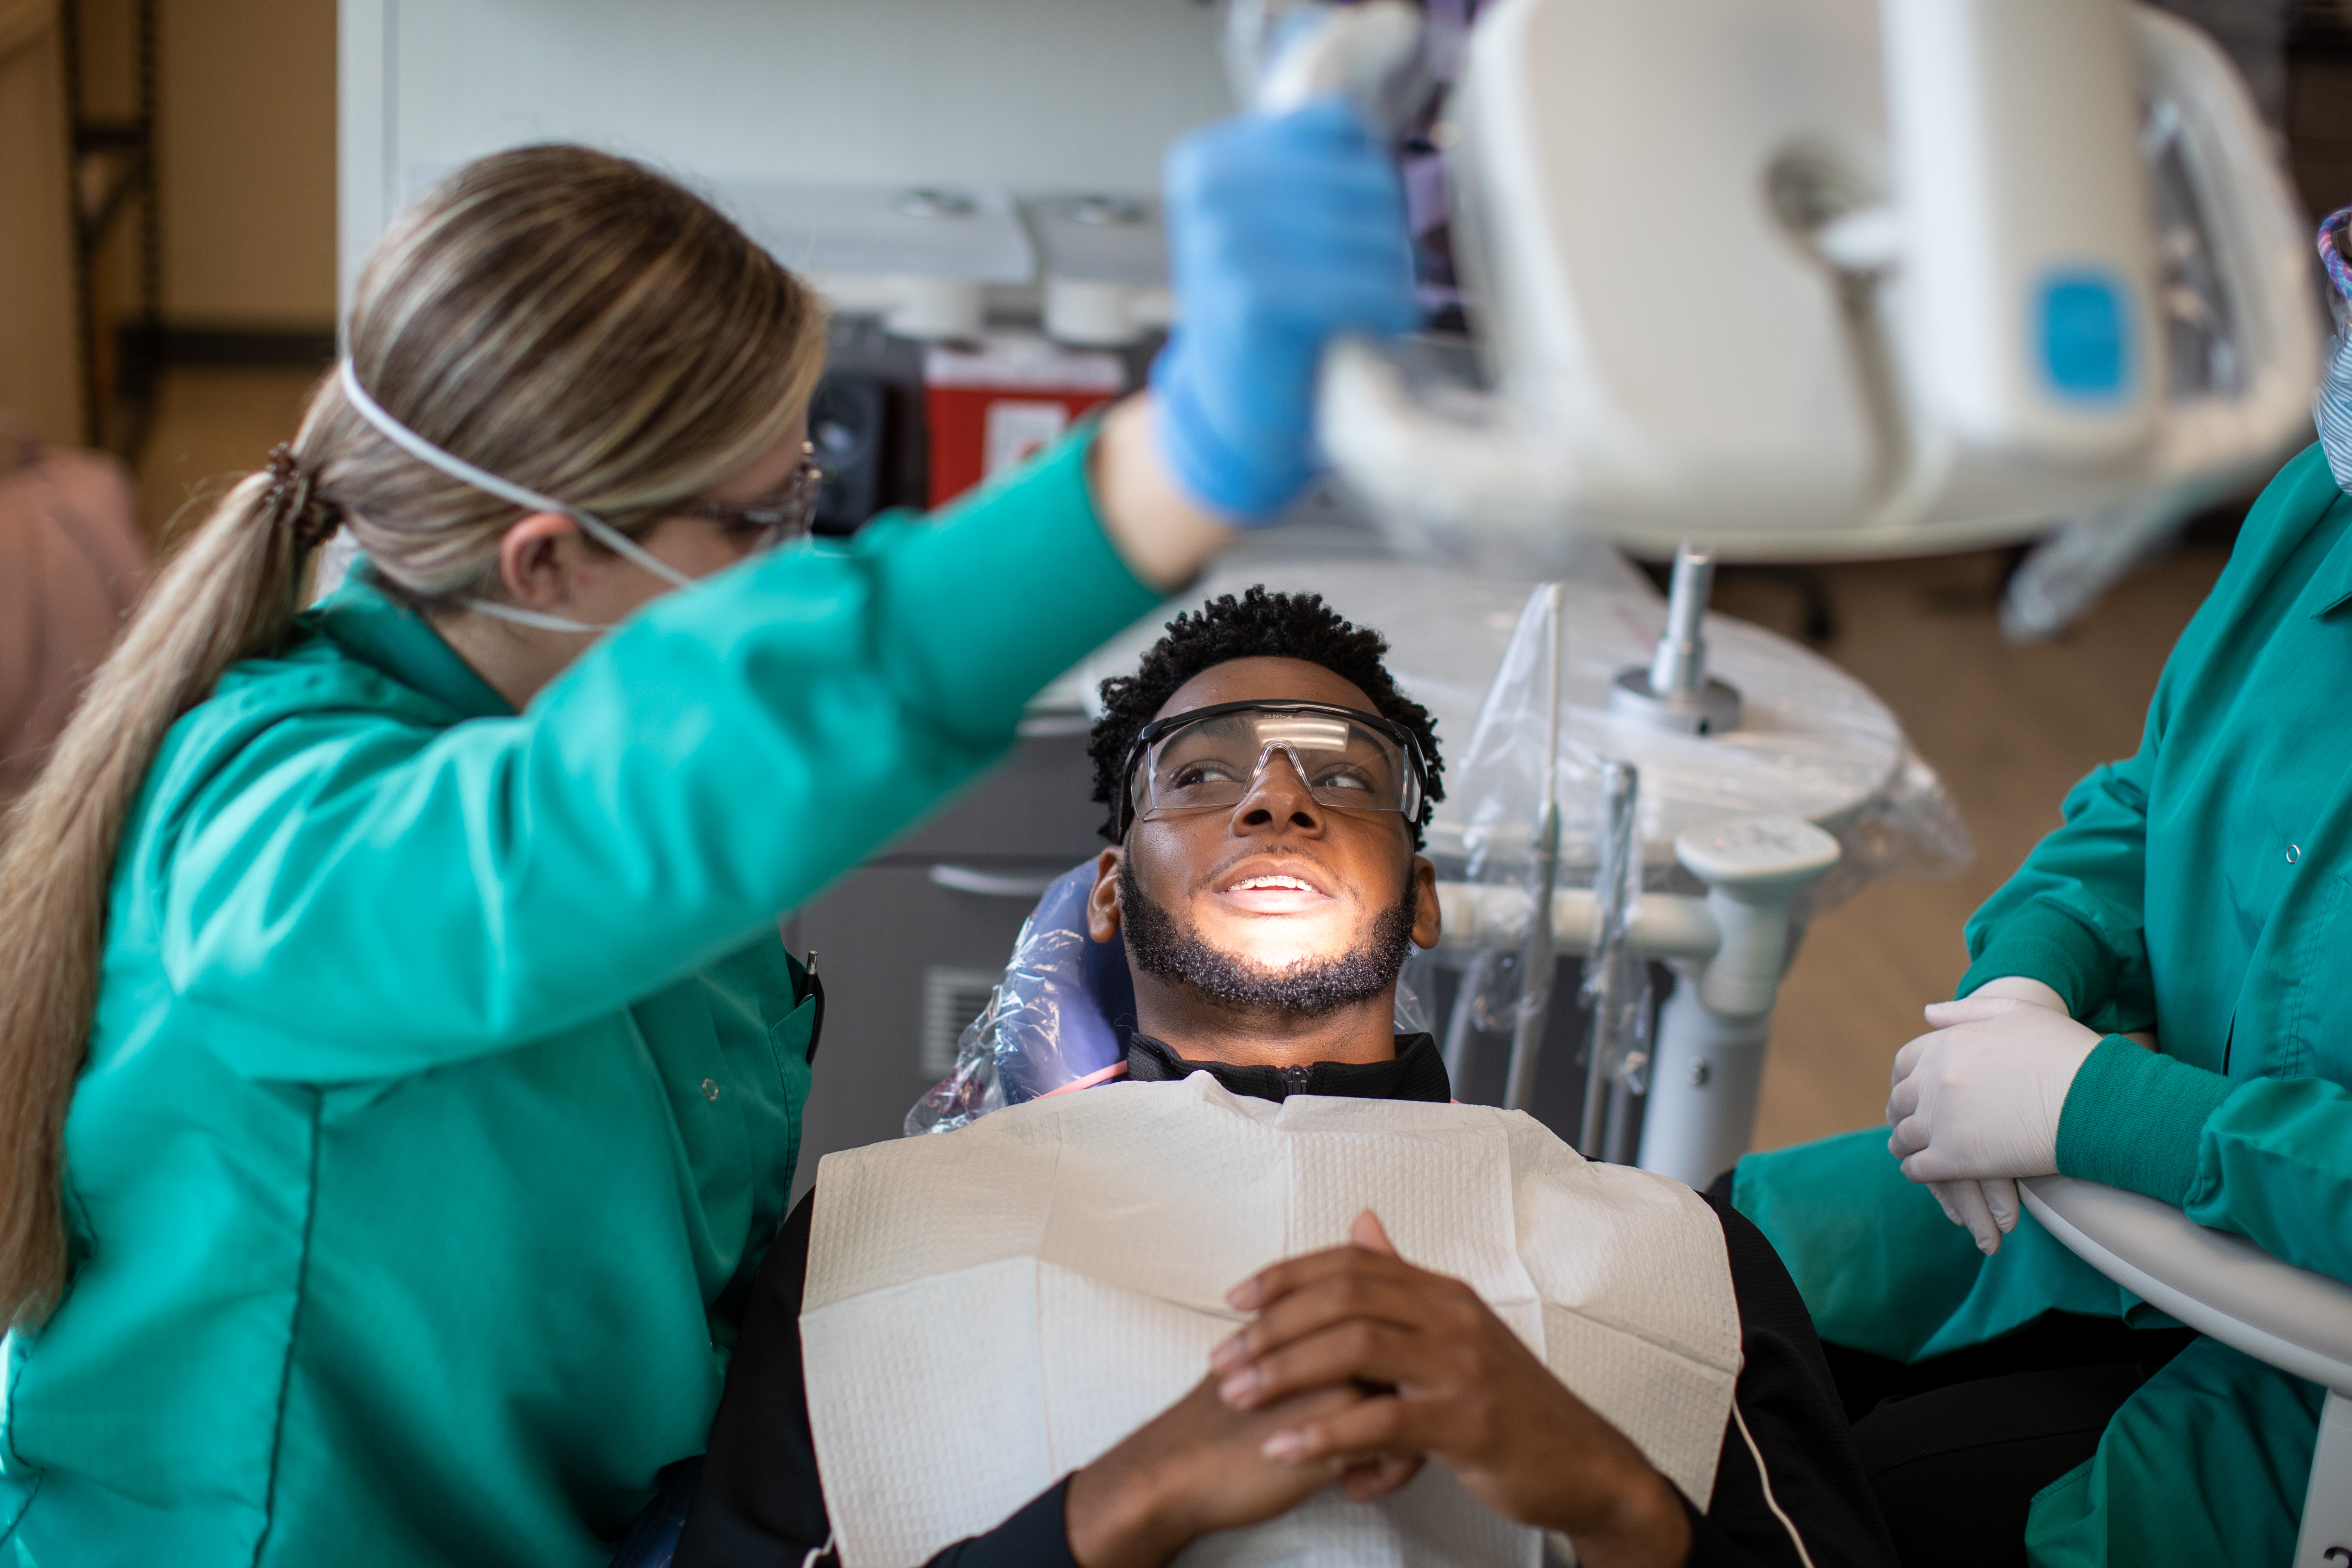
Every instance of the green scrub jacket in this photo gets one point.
(2198, 889)
(446, 1075)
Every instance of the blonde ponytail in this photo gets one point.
(228, 595)
(569, 319)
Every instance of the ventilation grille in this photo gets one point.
(951, 998)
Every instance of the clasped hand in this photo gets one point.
(1975, 1103)
(1358, 1369)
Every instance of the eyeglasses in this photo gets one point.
(1210, 759)
(773, 519)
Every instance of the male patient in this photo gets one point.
(1268, 784)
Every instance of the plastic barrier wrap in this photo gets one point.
(1812, 742)
(1059, 1019)
(1616, 994)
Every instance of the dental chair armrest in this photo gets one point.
(2217, 1283)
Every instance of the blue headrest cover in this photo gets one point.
(1067, 1002)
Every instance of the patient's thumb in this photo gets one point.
(1367, 1234)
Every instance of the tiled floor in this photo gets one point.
(2010, 729)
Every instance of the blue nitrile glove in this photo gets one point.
(1282, 232)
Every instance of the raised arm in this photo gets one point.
(740, 742)
(359, 896)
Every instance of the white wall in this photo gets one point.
(1028, 94)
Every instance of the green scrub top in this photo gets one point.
(445, 1086)
(2198, 889)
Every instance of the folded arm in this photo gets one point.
(1197, 1467)
(1203, 1464)
(1456, 1386)
(2270, 1158)
(2071, 918)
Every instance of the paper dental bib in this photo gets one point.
(988, 1310)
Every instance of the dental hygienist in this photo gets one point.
(2203, 891)
(401, 1073)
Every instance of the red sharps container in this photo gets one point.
(993, 405)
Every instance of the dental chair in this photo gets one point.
(1058, 1019)
(2225, 1286)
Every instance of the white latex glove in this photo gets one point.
(1988, 1209)
(2022, 988)
(1976, 1103)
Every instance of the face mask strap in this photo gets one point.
(456, 468)
(537, 618)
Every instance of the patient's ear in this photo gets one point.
(1102, 904)
(1428, 920)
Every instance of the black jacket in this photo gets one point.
(760, 1504)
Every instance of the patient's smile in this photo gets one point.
(1293, 889)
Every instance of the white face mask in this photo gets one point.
(456, 468)
(2331, 407)
(2331, 410)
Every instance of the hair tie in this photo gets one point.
(294, 503)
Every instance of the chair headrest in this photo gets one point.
(1067, 1002)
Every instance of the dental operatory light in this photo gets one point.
(1827, 278)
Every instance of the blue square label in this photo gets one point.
(2085, 340)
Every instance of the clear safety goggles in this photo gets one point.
(1209, 758)
(789, 513)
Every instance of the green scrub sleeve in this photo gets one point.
(2072, 915)
(2270, 1158)
(2132, 1119)
(2042, 942)
(354, 890)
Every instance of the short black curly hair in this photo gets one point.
(1258, 625)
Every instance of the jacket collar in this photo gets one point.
(369, 623)
(1416, 1072)
(2331, 583)
(2333, 580)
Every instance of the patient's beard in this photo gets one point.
(1158, 944)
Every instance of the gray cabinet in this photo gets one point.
(909, 941)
